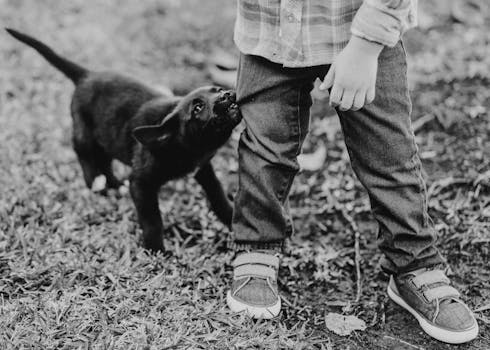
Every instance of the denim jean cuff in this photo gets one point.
(390, 269)
(278, 246)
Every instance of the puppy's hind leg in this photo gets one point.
(96, 163)
(93, 159)
(84, 146)
(104, 164)
(85, 154)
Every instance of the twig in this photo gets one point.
(357, 250)
(419, 123)
(358, 266)
(484, 319)
(404, 342)
(483, 308)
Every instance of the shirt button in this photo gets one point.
(290, 18)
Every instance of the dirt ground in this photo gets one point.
(72, 273)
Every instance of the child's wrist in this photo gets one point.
(366, 46)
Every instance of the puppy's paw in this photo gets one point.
(124, 189)
(154, 246)
(99, 184)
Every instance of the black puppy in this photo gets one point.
(177, 135)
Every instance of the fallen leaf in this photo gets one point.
(328, 126)
(313, 161)
(475, 111)
(448, 117)
(343, 325)
(468, 12)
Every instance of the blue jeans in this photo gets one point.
(275, 103)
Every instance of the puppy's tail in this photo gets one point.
(68, 68)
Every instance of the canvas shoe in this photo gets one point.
(254, 288)
(428, 296)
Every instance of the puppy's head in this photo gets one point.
(202, 121)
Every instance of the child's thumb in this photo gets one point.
(329, 78)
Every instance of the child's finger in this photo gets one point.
(347, 100)
(336, 95)
(359, 100)
(329, 79)
(370, 95)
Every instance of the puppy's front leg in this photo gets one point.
(145, 199)
(214, 191)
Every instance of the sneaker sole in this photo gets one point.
(253, 311)
(441, 334)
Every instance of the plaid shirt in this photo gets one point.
(302, 33)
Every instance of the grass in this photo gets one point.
(72, 273)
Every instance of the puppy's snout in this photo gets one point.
(229, 96)
(225, 105)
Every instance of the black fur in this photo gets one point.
(161, 137)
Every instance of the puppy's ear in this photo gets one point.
(157, 135)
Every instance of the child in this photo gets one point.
(354, 46)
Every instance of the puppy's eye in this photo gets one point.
(197, 108)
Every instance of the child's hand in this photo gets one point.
(353, 75)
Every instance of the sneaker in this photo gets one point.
(254, 289)
(428, 296)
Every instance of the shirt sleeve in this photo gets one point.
(384, 21)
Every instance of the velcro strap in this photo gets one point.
(254, 270)
(441, 292)
(430, 277)
(256, 258)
